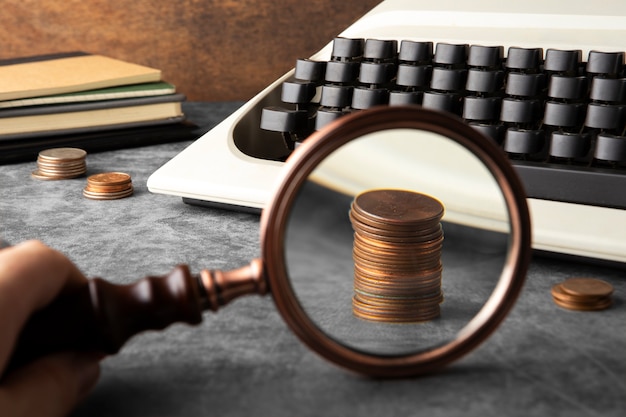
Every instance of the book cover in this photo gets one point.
(58, 119)
(21, 150)
(70, 72)
(110, 93)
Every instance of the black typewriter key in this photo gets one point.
(376, 73)
(309, 70)
(564, 114)
(563, 62)
(495, 132)
(523, 142)
(278, 119)
(524, 59)
(481, 108)
(610, 148)
(604, 116)
(524, 85)
(413, 75)
(379, 50)
(416, 52)
(446, 79)
(608, 90)
(520, 111)
(400, 98)
(449, 102)
(364, 98)
(344, 72)
(569, 145)
(454, 55)
(485, 56)
(609, 64)
(347, 49)
(480, 81)
(297, 92)
(336, 96)
(567, 88)
(326, 116)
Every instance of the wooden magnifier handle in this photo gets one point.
(101, 316)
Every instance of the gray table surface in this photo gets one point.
(244, 361)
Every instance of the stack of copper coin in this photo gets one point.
(397, 256)
(108, 186)
(60, 164)
(587, 294)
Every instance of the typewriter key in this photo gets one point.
(526, 60)
(379, 50)
(609, 64)
(488, 57)
(416, 52)
(347, 49)
(563, 62)
(413, 75)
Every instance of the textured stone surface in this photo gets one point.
(244, 361)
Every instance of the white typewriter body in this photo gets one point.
(215, 169)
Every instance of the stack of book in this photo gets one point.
(86, 100)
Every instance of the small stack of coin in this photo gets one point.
(585, 294)
(60, 164)
(397, 256)
(108, 186)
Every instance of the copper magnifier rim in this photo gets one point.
(308, 156)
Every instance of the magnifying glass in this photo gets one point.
(397, 240)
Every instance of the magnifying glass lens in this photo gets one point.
(396, 241)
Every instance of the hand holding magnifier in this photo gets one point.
(308, 262)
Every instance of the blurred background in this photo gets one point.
(212, 50)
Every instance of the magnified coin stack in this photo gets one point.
(60, 164)
(398, 240)
(108, 186)
(583, 294)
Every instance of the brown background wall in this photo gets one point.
(213, 50)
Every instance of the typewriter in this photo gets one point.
(542, 79)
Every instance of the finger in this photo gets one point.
(51, 386)
(31, 275)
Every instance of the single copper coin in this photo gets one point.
(107, 196)
(109, 178)
(62, 154)
(595, 306)
(587, 287)
(394, 207)
(108, 188)
(357, 215)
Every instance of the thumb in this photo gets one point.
(50, 386)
